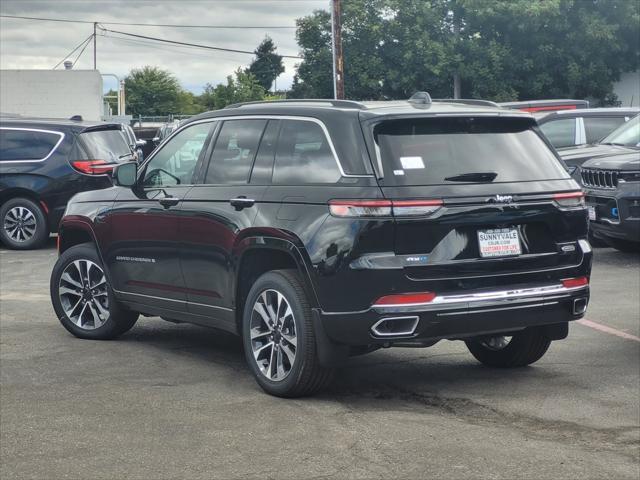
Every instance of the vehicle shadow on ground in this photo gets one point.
(382, 374)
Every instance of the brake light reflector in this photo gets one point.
(383, 208)
(575, 282)
(405, 299)
(569, 199)
(92, 167)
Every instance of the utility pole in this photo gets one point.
(95, 26)
(456, 75)
(336, 43)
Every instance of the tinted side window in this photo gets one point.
(26, 145)
(303, 155)
(599, 127)
(235, 151)
(175, 163)
(561, 133)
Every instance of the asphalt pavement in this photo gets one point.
(177, 401)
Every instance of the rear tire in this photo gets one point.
(524, 348)
(277, 322)
(83, 299)
(23, 224)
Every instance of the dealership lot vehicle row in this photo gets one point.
(172, 401)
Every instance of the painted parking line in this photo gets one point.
(609, 330)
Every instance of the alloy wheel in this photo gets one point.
(273, 335)
(496, 343)
(84, 295)
(20, 224)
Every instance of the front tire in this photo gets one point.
(278, 337)
(83, 299)
(523, 348)
(623, 245)
(24, 224)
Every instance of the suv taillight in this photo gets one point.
(92, 167)
(383, 208)
(569, 199)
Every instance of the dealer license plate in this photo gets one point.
(499, 242)
(592, 212)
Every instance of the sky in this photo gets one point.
(29, 44)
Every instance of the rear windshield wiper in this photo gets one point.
(615, 144)
(473, 177)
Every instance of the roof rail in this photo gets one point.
(333, 103)
(468, 101)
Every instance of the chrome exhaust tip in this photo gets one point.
(580, 305)
(395, 327)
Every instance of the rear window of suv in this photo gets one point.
(448, 150)
(107, 145)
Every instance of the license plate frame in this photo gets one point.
(499, 242)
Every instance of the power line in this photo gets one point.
(86, 40)
(170, 25)
(82, 51)
(175, 42)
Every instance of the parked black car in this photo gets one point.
(568, 128)
(612, 186)
(43, 163)
(322, 229)
(625, 139)
(136, 145)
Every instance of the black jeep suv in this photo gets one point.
(612, 188)
(43, 163)
(322, 229)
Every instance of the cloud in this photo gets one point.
(29, 44)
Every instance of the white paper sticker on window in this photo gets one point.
(412, 163)
(398, 172)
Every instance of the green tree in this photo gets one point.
(267, 65)
(152, 91)
(240, 87)
(500, 50)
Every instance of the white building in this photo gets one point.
(52, 93)
(628, 89)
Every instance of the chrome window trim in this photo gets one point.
(55, 147)
(270, 117)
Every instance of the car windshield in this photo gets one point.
(433, 151)
(627, 134)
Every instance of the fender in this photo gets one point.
(268, 242)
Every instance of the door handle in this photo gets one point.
(168, 202)
(242, 202)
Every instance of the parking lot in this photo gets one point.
(176, 401)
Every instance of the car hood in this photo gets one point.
(628, 161)
(585, 152)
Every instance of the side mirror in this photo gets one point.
(125, 174)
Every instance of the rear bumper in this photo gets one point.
(457, 316)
